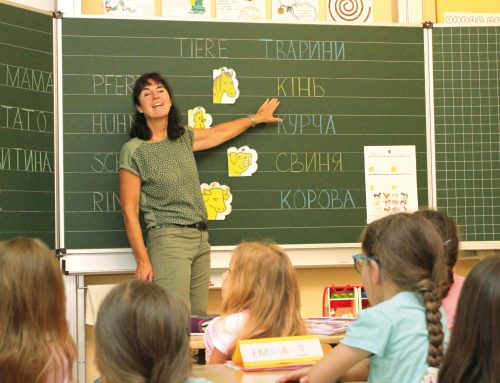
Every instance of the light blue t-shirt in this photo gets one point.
(395, 332)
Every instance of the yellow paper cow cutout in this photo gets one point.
(198, 118)
(217, 199)
(225, 86)
(241, 162)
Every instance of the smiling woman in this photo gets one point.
(158, 176)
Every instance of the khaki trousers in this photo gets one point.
(180, 257)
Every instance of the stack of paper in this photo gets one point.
(326, 325)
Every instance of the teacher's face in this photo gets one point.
(154, 101)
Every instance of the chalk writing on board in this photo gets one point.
(113, 84)
(202, 48)
(111, 123)
(26, 78)
(316, 199)
(17, 118)
(309, 162)
(26, 160)
(300, 87)
(105, 162)
(304, 50)
(106, 201)
(298, 124)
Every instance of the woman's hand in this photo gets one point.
(265, 114)
(144, 270)
(295, 376)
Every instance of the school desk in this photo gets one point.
(219, 373)
(197, 342)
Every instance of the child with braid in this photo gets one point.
(450, 238)
(402, 335)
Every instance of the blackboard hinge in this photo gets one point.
(63, 267)
(60, 252)
(57, 15)
(427, 24)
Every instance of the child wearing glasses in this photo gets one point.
(260, 299)
(447, 228)
(402, 334)
(474, 351)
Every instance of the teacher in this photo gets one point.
(158, 176)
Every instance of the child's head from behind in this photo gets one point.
(410, 254)
(31, 287)
(34, 336)
(142, 334)
(474, 350)
(450, 238)
(261, 279)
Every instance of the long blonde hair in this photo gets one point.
(264, 284)
(35, 345)
(142, 335)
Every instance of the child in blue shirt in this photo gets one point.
(403, 333)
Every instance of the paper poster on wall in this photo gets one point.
(241, 162)
(471, 18)
(198, 118)
(129, 7)
(350, 11)
(306, 11)
(390, 180)
(187, 9)
(225, 86)
(217, 199)
(241, 9)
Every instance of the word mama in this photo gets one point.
(31, 79)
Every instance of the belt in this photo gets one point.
(201, 226)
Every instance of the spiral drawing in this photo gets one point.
(350, 10)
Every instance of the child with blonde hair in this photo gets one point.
(260, 299)
(35, 345)
(401, 335)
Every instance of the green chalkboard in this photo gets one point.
(467, 136)
(27, 206)
(341, 87)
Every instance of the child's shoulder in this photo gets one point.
(231, 322)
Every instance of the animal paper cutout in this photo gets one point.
(198, 118)
(241, 162)
(225, 86)
(217, 199)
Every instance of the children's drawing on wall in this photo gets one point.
(241, 9)
(129, 7)
(217, 200)
(390, 180)
(295, 10)
(225, 86)
(198, 118)
(471, 18)
(241, 162)
(350, 11)
(187, 9)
